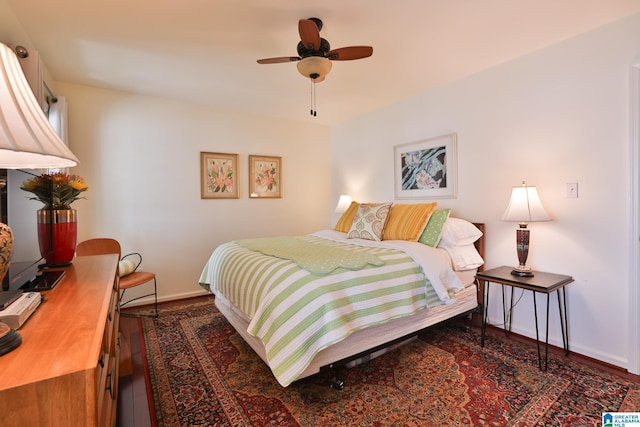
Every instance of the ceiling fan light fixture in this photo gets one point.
(314, 67)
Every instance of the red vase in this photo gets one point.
(57, 234)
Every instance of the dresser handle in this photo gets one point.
(110, 382)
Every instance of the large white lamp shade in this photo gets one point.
(27, 139)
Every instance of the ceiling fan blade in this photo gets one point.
(350, 53)
(278, 60)
(309, 34)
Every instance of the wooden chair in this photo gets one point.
(101, 246)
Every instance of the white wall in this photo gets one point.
(12, 34)
(140, 157)
(556, 116)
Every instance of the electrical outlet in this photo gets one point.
(572, 190)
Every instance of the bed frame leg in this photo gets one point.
(336, 382)
(466, 320)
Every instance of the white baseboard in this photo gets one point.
(174, 297)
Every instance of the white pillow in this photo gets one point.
(126, 267)
(459, 232)
(464, 257)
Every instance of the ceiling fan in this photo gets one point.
(315, 53)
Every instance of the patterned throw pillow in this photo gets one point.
(345, 221)
(369, 221)
(433, 231)
(407, 221)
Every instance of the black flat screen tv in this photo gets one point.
(19, 213)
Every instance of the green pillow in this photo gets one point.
(432, 232)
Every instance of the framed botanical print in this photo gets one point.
(219, 176)
(265, 177)
(426, 169)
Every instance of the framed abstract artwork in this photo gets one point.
(219, 176)
(265, 177)
(426, 169)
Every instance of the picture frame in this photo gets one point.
(265, 177)
(426, 169)
(219, 176)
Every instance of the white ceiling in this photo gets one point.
(206, 50)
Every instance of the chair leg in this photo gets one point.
(155, 295)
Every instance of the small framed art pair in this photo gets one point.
(219, 176)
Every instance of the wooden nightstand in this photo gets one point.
(545, 283)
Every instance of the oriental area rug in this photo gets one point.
(202, 373)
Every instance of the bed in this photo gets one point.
(305, 303)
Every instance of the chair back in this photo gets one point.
(99, 246)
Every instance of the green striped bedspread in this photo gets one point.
(296, 313)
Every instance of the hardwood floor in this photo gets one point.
(135, 406)
(133, 402)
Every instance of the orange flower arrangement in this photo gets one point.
(57, 190)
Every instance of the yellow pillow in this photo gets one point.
(345, 221)
(407, 221)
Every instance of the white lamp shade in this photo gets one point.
(27, 139)
(343, 203)
(525, 206)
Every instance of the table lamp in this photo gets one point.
(524, 207)
(343, 203)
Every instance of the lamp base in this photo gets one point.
(9, 339)
(522, 272)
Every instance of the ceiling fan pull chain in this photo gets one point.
(315, 112)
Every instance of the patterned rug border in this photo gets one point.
(147, 328)
(179, 306)
(162, 311)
